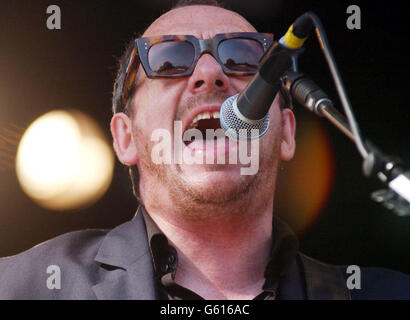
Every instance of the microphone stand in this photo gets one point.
(375, 163)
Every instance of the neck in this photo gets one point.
(220, 258)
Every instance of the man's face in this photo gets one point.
(157, 103)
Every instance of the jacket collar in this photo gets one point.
(126, 266)
(126, 270)
(282, 256)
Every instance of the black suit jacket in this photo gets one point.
(117, 264)
(94, 264)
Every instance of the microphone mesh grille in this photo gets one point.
(237, 128)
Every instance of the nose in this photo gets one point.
(208, 76)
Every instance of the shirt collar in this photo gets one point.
(283, 253)
(164, 256)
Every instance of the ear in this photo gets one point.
(288, 144)
(124, 145)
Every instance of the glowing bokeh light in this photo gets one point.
(63, 161)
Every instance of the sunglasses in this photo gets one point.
(175, 56)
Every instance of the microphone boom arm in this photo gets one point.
(376, 164)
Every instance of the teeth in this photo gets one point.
(193, 125)
(204, 115)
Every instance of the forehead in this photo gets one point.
(201, 21)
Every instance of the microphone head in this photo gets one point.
(237, 126)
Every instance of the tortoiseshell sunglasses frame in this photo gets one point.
(142, 46)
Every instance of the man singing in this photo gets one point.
(203, 230)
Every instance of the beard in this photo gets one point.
(199, 202)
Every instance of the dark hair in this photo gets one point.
(117, 104)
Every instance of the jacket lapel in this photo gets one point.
(126, 270)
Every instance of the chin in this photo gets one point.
(213, 185)
(210, 175)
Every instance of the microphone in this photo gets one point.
(245, 116)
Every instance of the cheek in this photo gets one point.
(275, 114)
(239, 83)
(156, 105)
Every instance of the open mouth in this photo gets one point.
(207, 120)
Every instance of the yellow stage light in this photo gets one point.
(63, 161)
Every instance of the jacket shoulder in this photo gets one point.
(380, 284)
(355, 282)
(72, 255)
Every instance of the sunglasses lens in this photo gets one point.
(241, 55)
(171, 57)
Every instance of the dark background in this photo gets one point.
(41, 70)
